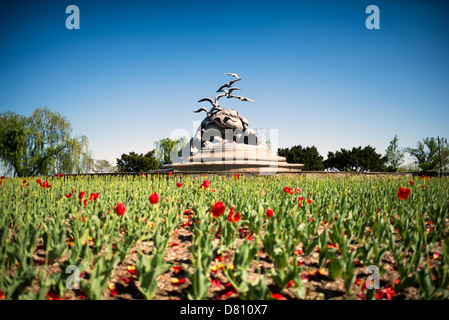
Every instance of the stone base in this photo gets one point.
(259, 168)
(235, 158)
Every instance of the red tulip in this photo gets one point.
(403, 193)
(411, 182)
(93, 196)
(154, 198)
(59, 175)
(218, 209)
(233, 217)
(297, 190)
(423, 176)
(236, 217)
(46, 185)
(288, 190)
(38, 181)
(68, 196)
(179, 184)
(205, 184)
(81, 195)
(120, 209)
(309, 201)
(270, 213)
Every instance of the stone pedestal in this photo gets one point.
(234, 158)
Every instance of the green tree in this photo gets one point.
(443, 153)
(41, 144)
(430, 154)
(395, 156)
(167, 148)
(357, 159)
(103, 166)
(309, 156)
(134, 162)
(76, 158)
(12, 141)
(426, 154)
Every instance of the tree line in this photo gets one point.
(431, 154)
(42, 144)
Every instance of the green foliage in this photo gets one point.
(309, 156)
(431, 154)
(167, 149)
(243, 257)
(41, 144)
(357, 159)
(363, 219)
(394, 155)
(103, 166)
(53, 238)
(17, 284)
(13, 136)
(203, 251)
(99, 278)
(149, 269)
(426, 154)
(134, 162)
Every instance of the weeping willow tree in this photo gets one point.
(76, 157)
(166, 149)
(41, 145)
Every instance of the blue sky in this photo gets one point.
(134, 71)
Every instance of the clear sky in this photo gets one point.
(134, 71)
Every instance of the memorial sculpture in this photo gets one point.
(224, 142)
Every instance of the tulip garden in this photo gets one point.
(231, 237)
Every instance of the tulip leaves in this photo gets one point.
(99, 278)
(203, 251)
(149, 269)
(286, 227)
